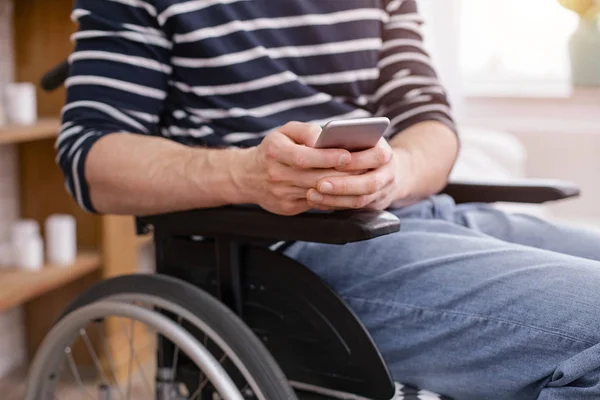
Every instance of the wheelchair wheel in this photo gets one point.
(220, 336)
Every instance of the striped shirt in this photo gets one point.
(219, 73)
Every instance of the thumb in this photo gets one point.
(301, 132)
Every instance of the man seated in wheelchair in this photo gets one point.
(176, 104)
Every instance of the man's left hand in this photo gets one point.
(377, 188)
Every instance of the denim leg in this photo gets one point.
(528, 230)
(577, 377)
(460, 312)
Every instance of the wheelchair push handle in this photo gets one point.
(55, 77)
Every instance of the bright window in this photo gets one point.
(514, 47)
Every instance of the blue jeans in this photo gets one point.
(474, 303)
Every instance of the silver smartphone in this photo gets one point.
(352, 134)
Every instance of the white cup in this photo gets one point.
(24, 228)
(28, 254)
(61, 239)
(20, 103)
(27, 246)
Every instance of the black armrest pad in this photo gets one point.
(518, 191)
(249, 222)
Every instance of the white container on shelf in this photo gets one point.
(24, 228)
(28, 254)
(61, 239)
(20, 103)
(27, 246)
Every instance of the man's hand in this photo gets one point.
(385, 181)
(414, 165)
(278, 173)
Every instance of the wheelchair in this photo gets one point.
(234, 318)
(237, 319)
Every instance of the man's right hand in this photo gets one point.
(278, 173)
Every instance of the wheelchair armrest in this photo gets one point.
(517, 191)
(251, 222)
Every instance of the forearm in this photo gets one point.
(430, 149)
(137, 175)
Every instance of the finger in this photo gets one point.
(340, 202)
(356, 185)
(288, 193)
(372, 158)
(380, 204)
(301, 132)
(302, 178)
(283, 149)
(310, 178)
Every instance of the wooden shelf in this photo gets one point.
(43, 33)
(18, 286)
(44, 129)
(143, 240)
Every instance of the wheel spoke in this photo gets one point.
(223, 358)
(204, 382)
(181, 327)
(205, 342)
(95, 359)
(247, 390)
(133, 358)
(131, 354)
(75, 373)
(161, 350)
(196, 394)
(111, 361)
(176, 353)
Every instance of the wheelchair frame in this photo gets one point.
(315, 338)
(313, 335)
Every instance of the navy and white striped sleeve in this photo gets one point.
(409, 90)
(118, 81)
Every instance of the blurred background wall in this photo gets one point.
(12, 341)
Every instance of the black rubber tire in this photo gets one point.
(244, 343)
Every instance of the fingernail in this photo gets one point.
(315, 196)
(344, 159)
(326, 187)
